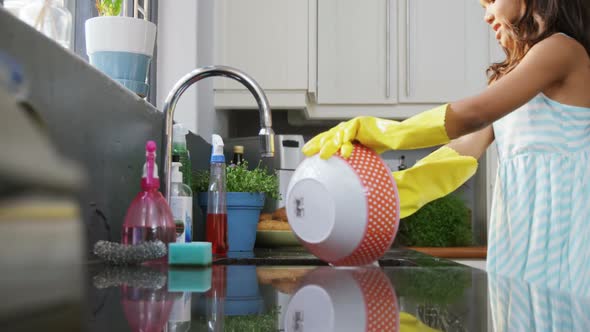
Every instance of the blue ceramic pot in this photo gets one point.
(129, 69)
(243, 211)
(122, 48)
(243, 296)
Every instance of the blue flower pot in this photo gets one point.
(242, 296)
(129, 69)
(122, 48)
(243, 211)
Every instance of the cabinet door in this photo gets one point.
(356, 52)
(444, 50)
(266, 39)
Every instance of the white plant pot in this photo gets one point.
(122, 48)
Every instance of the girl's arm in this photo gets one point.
(474, 144)
(547, 63)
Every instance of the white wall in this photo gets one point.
(210, 120)
(177, 55)
(185, 42)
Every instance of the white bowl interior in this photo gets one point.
(331, 304)
(313, 202)
(311, 307)
(327, 207)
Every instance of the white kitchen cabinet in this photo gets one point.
(343, 58)
(438, 52)
(356, 52)
(267, 39)
(444, 50)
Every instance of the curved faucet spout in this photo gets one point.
(266, 133)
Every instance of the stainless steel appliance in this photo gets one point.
(287, 157)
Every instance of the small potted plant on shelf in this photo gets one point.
(246, 193)
(121, 47)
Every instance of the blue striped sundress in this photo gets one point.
(540, 219)
(522, 307)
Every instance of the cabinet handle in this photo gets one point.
(387, 48)
(408, 50)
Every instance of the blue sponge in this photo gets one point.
(191, 253)
(195, 280)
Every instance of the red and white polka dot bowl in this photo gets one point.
(337, 299)
(344, 211)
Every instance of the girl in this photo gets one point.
(537, 108)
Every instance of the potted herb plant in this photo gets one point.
(246, 194)
(445, 222)
(121, 47)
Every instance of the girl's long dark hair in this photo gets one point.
(541, 19)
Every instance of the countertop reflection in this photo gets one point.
(435, 297)
(289, 298)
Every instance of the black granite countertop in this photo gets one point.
(410, 291)
(299, 256)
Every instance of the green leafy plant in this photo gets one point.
(240, 179)
(433, 285)
(109, 7)
(263, 322)
(445, 222)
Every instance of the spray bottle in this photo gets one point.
(216, 226)
(149, 217)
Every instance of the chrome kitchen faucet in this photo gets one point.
(266, 133)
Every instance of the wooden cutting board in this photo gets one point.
(454, 252)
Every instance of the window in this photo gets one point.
(81, 10)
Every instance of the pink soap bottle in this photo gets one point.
(146, 310)
(149, 217)
(147, 306)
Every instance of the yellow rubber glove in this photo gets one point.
(434, 176)
(423, 130)
(409, 323)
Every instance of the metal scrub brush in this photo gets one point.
(121, 254)
(133, 276)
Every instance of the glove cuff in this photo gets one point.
(434, 176)
(444, 152)
(424, 130)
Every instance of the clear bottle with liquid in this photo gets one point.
(238, 157)
(215, 299)
(181, 204)
(216, 224)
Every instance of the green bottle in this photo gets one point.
(180, 149)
